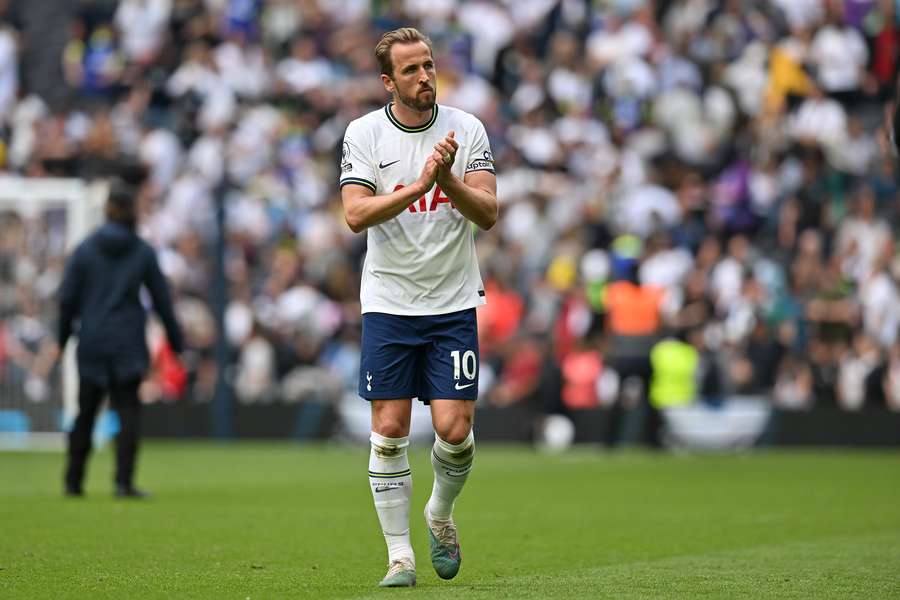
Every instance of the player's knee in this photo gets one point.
(390, 428)
(456, 433)
(454, 429)
(391, 419)
(456, 437)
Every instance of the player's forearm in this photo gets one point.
(476, 204)
(362, 212)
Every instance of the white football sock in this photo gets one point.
(451, 464)
(391, 483)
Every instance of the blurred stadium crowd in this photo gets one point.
(697, 196)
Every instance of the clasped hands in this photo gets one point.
(445, 154)
(438, 164)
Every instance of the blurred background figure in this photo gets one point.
(100, 304)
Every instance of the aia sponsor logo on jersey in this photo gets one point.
(423, 205)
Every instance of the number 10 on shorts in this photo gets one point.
(469, 364)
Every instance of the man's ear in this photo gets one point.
(388, 83)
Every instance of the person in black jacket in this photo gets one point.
(100, 303)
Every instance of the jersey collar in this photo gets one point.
(402, 127)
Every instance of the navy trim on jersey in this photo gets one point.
(406, 128)
(358, 181)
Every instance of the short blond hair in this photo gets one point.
(404, 35)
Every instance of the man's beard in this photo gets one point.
(419, 103)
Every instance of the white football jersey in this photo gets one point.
(421, 262)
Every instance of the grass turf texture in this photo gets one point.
(288, 521)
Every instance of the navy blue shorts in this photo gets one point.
(431, 357)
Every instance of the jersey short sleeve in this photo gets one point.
(356, 163)
(480, 157)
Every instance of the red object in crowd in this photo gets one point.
(885, 51)
(498, 320)
(522, 371)
(2, 347)
(171, 373)
(580, 370)
(570, 324)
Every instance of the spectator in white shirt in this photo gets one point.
(819, 120)
(142, 28)
(839, 54)
(305, 69)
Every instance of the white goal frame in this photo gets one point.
(84, 203)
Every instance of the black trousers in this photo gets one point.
(651, 419)
(124, 400)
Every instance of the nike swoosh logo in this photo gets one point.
(462, 387)
(378, 490)
(384, 165)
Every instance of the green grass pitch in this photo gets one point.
(260, 521)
